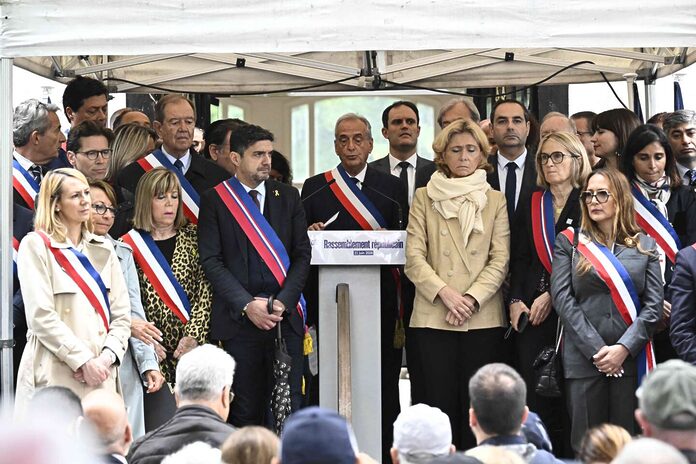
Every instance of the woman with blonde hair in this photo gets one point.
(250, 445)
(606, 286)
(562, 166)
(131, 142)
(602, 444)
(457, 257)
(75, 297)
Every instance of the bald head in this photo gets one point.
(106, 412)
(556, 122)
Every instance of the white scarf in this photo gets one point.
(461, 197)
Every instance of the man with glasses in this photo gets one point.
(583, 129)
(89, 149)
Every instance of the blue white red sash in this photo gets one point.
(623, 292)
(81, 271)
(190, 198)
(15, 249)
(158, 271)
(656, 225)
(543, 227)
(24, 184)
(259, 233)
(354, 200)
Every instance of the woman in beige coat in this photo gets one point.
(72, 340)
(457, 256)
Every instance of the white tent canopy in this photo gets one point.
(196, 45)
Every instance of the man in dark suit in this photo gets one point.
(243, 317)
(353, 145)
(175, 120)
(400, 126)
(22, 224)
(37, 137)
(682, 329)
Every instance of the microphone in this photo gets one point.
(398, 205)
(319, 190)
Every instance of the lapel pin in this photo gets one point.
(275, 192)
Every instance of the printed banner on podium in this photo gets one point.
(358, 247)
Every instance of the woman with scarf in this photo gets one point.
(562, 166)
(457, 257)
(665, 209)
(607, 289)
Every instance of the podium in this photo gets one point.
(351, 260)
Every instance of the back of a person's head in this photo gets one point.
(455, 458)
(58, 405)
(317, 436)
(202, 373)
(666, 397)
(194, 453)
(603, 443)
(250, 445)
(422, 432)
(497, 394)
(649, 451)
(495, 455)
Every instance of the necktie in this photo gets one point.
(356, 181)
(37, 173)
(403, 176)
(510, 188)
(691, 176)
(179, 165)
(255, 196)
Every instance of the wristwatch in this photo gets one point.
(244, 309)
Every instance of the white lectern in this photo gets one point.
(353, 258)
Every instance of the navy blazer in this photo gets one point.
(223, 250)
(587, 311)
(682, 330)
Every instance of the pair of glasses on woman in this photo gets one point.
(556, 157)
(101, 209)
(602, 196)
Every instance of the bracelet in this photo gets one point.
(513, 301)
(244, 309)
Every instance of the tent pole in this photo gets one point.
(630, 79)
(650, 103)
(6, 340)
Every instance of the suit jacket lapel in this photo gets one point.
(492, 178)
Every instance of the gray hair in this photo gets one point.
(649, 451)
(672, 120)
(352, 117)
(203, 372)
(29, 116)
(468, 102)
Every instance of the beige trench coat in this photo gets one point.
(64, 330)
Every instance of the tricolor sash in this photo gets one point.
(15, 249)
(655, 224)
(24, 184)
(354, 200)
(623, 292)
(543, 227)
(190, 198)
(259, 233)
(158, 271)
(80, 270)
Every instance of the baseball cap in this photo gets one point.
(667, 397)
(422, 431)
(317, 436)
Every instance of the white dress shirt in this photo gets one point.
(186, 159)
(519, 172)
(395, 169)
(261, 188)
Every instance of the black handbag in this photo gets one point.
(548, 369)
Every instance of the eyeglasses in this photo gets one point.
(602, 196)
(93, 154)
(556, 157)
(101, 209)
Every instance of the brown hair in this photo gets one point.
(250, 445)
(166, 100)
(603, 443)
(156, 182)
(106, 187)
(47, 218)
(460, 126)
(580, 168)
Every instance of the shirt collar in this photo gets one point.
(682, 170)
(519, 161)
(361, 175)
(261, 188)
(186, 159)
(24, 162)
(394, 162)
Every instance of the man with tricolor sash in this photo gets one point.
(37, 137)
(254, 249)
(175, 119)
(22, 224)
(356, 196)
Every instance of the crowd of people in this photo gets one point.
(138, 246)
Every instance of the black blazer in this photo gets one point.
(223, 250)
(682, 329)
(424, 169)
(528, 183)
(526, 269)
(22, 224)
